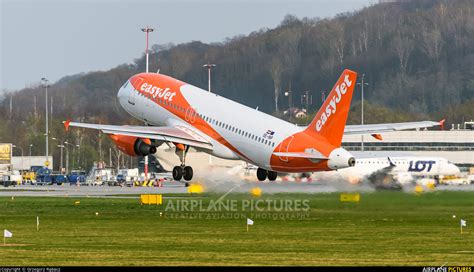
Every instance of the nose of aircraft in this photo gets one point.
(121, 94)
(452, 169)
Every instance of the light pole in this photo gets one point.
(22, 162)
(209, 67)
(14, 146)
(289, 93)
(307, 99)
(67, 155)
(61, 162)
(61, 158)
(46, 85)
(147, 30)
(78, 156)
(29, 158)
(362, 84)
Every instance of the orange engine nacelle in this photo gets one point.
(133, 146)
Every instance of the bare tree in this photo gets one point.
(432, 43)
(285, 59)
(338, 40)
(276, 71)
(118, 155)
(403, 46)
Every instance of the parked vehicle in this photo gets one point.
(28, 176)
(77, 177)
(100, 176)
(58, 179)
(15, 177)
(6, 180)
(43, 176)
(128, 174)
(118, 181)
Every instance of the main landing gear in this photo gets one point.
(182, 171)
(263, 174)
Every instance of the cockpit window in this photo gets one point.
(125, 85)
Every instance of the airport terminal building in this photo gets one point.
(454, 145)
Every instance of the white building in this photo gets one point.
(24, 163)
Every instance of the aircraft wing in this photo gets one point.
(387, 127)
(175, 134)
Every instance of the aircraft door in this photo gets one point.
(190, 115)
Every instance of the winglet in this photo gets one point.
(377, 136)
(441, 123)
(66, 124)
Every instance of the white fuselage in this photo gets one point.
(243, 127)
(404, 166)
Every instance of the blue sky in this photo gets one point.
(57, 38)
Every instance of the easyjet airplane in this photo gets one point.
(178, 113)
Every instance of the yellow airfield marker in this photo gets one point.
(151, 199)
(349, 197)
(256, 192)
(195, 188)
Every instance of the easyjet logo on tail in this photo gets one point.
(157, 91)
(331, 108)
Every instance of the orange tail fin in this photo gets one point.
(331, 118)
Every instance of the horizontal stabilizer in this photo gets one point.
(388, 127)
(304, 155)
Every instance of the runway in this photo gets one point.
(179, 188)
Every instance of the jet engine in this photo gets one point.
(133, 146)
(340, 158)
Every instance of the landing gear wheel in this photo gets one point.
(188, 173)
(272, 175)
(186, 184)
(261, 174)
(177, 173)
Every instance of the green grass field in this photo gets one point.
(385, 228)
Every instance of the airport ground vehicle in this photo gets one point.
(58, 178)
(16, 178)
(35, 168)
(28, 176)
(76, 177)
(128, 174)
(6, 180)
(119, 181)
(100, 176)
(43, 176)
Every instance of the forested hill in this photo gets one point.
(418, 58)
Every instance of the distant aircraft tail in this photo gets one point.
(331, 118)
